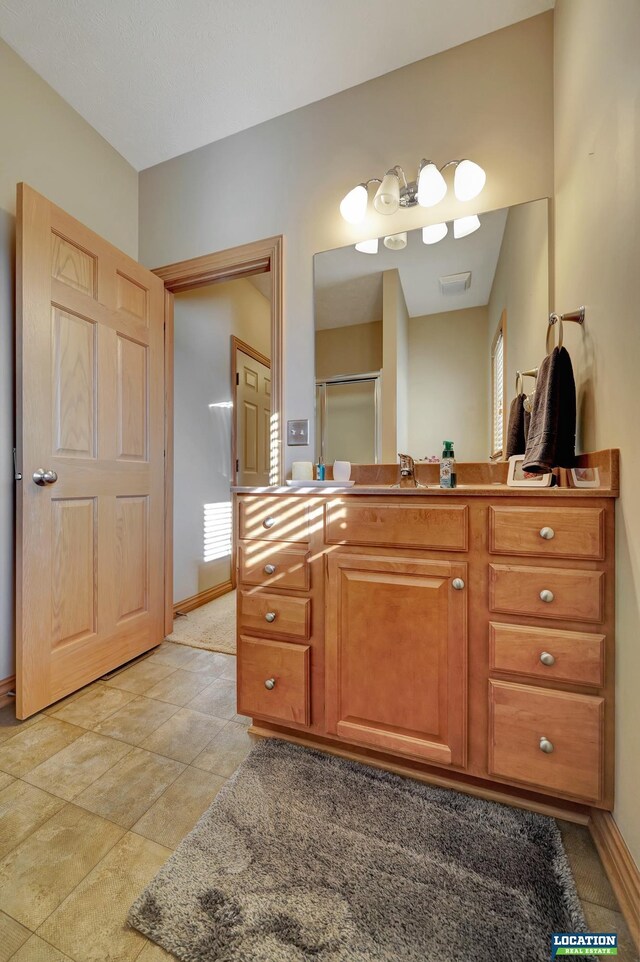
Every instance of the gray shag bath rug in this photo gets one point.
(305, 857)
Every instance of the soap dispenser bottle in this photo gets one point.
(448, 477)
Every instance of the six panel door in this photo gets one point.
(90, 409)
(396, 655)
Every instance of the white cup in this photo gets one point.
(341, 470)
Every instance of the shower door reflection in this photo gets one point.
(347, 419)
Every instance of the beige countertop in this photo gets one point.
(462, 491)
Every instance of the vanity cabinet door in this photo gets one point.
(396, 655)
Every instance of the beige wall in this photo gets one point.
(395, 332)
(521, 288)
(355, 349)
(45, 143)
(449, 384)
(205, 319)
(597, 240)
(490, 99)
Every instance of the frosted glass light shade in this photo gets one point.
(387, 199)
(368, 246)
(465, 225)
(353, 205)
(396, 242)
(434, 233)
(468, 180)
(431, 186)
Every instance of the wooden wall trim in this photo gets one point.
(195, 601)
(7, 685)
(168, 462)
(621, 869)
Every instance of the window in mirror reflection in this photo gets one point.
(407, 316)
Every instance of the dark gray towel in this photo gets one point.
(517, 430)
(552, 433)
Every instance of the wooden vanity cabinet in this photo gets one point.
(464, 638)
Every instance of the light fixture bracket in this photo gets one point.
(409, 194)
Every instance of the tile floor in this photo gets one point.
(97, 791)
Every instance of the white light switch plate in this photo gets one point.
(298, 432)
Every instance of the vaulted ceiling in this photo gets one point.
(158, 78)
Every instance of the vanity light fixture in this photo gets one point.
(434, 233)
(396, 242)
(465, 225)
(368, 246)
(427, 190)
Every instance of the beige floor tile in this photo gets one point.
(94, 706)
(179, 687)
(230, 672)
(177, 656)
(212, 663)
(36, 950)
(33, 745)
(226, 751)
(12, 936)
(39, 874)
(218, 699)
(63, 702)
(601, 919)
(10, 725)
(140, 677)
(78, 765)
(126, 791)
(184, 735)
(177, 811)
(23, 809)
(5, 780)
(591, 880)
(137, 720)
(243, 720)
(91, 924)
(154, 953)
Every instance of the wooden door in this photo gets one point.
(396, 655)
(253, 416)
(90, 416)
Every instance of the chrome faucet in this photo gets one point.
(407, 472)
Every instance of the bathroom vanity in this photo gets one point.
(464, 637)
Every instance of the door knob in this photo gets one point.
(270, 684)
(42, 477)
(546, 595)
(547, 658)
(269, 569)
(270, 617)
(458, 584)
(268, 522)
(546, 746)
(547, 533)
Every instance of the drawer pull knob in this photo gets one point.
(547, 533)
(269, 522)
(458, 584)
(546, 746)
(270, 617)
(270, 684)
(546, 595)
(269, 569)
(547, 658)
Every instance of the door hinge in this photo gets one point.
(16, 474)
(237, 378)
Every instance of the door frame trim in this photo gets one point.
(258, 257)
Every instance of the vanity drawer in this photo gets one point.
(269, 614)
(273, 680)
(523, 720)
(547, 654)
(572, 594)
(274, 565)
(273, 519)
(366, 522)
(547, 532)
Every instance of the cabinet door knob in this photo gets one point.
(269, 569)
(458, 584)
(546, 595)
(546, 746)
(270, 616)
(269, 522)
(547, 533)
(270, 684)
(547, 658)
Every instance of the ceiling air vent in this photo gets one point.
(455, 283)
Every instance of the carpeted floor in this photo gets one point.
(212, 626)
(305, 856)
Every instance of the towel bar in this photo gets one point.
(577, 316)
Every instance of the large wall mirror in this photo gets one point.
(420, 339)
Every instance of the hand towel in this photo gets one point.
(552, 432)
(516, 431)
